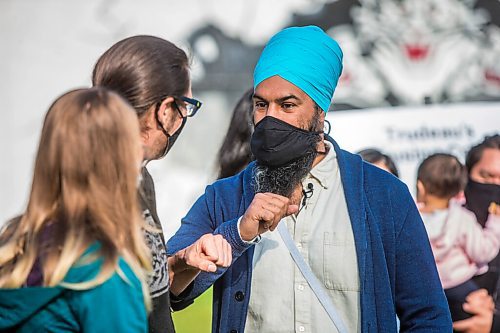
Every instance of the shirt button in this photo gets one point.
(301, 287)
(299, 245)
(239, 296)
(234, 331)
(302, 328)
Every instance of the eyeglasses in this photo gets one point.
(190, 104)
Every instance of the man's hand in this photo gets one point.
(205, 254)
(481, 305)
(264, 213)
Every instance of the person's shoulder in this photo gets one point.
(377, 179)
(115, 305)
(122, 278)
(462, 218)
(125, 278)
(90, 265)
(123, 283)
(147, 179)
(460, 211)
(147, 187)
(387, 196)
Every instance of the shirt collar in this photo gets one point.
(323, 170)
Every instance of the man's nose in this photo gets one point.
(273, 110)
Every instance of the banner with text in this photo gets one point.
(409, 134)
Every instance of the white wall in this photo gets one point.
(48, 47)
(409, 134)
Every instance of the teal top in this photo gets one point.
(114, 306)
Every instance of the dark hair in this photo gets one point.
(442, 175)
(476, 153)
(144, 70)
(235, 153)
(371, 155)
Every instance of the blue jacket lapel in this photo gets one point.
(351, 174)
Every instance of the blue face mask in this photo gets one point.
(276, 143)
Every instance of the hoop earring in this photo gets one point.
(327, 125)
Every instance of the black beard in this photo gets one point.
(283, 180)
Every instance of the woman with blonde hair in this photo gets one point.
(76, 259)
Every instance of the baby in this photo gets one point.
(462, 249)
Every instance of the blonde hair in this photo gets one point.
(84, 191)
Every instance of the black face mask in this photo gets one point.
(478, 198)
(276, 143)
(171, 138)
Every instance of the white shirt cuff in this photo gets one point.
(250, 242)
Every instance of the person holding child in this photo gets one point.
(461, 248)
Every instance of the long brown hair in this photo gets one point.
(144, 70)
(83, 190)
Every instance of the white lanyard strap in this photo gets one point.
(312, 280)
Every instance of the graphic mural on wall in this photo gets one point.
(396, 52)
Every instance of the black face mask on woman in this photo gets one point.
(276, 143)
(478, 198)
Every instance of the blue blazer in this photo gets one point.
(396, 267)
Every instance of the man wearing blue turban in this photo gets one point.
(352, 229)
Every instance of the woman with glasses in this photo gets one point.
(153, 75)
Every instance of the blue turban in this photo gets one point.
(306, 57)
